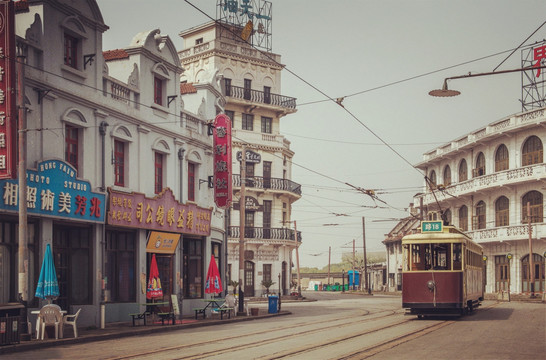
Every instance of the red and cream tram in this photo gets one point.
(442, 271)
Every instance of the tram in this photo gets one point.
(442, 271)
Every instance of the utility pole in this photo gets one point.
(242, 205)
(354, 275)
(329, 259)
(22, 169)
(365, 260)
(531, 265)
(297, 257)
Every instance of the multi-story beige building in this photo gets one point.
(485, 182)
(250, 81)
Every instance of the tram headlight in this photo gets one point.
(431, 285)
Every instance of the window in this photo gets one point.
(447, 216)
(231, 115)
(463, 171)
(501, 158)
(191, 182)
(247, 89)
(249, 174)
(199, 41)
(502, 206)
(71, 145)
(266, 124)
(480, 166)
(532, 151)
(227, 87)
(158, 171)
(463, 218)
(119, 163)
(267, 94)
(193, 268)
(158, 91)
(120, 265)
(248, 122)
(432, 180)
(267, 219)
(71, 51)
(267, 272)
(447, 176)
(534, 198)
(479, 218)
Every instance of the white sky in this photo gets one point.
(346, 47)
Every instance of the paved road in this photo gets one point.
(334, 327)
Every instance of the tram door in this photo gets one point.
(538, 265)
(502, 273)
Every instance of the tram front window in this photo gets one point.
(430, 256)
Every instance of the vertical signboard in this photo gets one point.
(222, 161)
(8, 111)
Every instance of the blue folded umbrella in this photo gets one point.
(48, 287)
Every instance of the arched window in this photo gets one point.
(502, 206)
(432, 179)
(463, 171)
(463, 218)
(479, 219)
(479, 170)
(501, 158)
(447, 176)
(538, 273)
(535, 200)
(447, 216)
(532, 151)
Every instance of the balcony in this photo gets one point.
(264, 233)
(262, 97)
(260, 182)
(506, 233)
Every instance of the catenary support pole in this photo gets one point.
(297, 256)
(365, 256)
(242, 204)
(531, 265)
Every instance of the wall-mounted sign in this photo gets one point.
(222, 161)
(163, 213)
(8, 109)
(53, 190)
(162, 242)
(251, 204)
(250, 156)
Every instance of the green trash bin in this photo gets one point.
(316, 287)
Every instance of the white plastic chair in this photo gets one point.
(71, 320)
(51, 315)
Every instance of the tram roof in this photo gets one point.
(448, 234)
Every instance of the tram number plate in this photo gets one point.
(431, 226)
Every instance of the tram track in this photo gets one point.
(363, 317)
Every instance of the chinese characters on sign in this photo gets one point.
(54, 190)
(539, 55)
(162, 212)
(431, 226)
(8, 118)
(222, 161)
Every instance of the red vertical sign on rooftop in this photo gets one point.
(222, 161)
(8, 111)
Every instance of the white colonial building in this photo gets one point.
(251, 81)
(485, 182)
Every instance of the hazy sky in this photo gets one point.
(382, 50)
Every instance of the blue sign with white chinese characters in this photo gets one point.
(53, 190)
(431, 226)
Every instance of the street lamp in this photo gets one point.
(445, 92)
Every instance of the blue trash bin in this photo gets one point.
(273, 304)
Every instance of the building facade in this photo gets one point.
(490, 184)
(116, 168)
(250, 81)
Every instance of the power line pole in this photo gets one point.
(354, 275)
(329, 259)
(531, 265)
(365, 260)
(297, 256)
(242, 224)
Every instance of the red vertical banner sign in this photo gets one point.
(8, 110)
(222, 161)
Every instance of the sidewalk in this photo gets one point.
(125, 329)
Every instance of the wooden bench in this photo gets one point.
(139, 316)
(223, 310)
(200, 311)
(166, 316)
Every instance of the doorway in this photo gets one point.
(249, 278)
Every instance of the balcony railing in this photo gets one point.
(264, 233)
(260, 96)
(268, 183)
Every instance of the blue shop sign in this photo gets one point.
(53, 190)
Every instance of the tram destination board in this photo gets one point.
(431, 226)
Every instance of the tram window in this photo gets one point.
(441, 256)
(406, 259)
(417, 257)
(457, 263)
